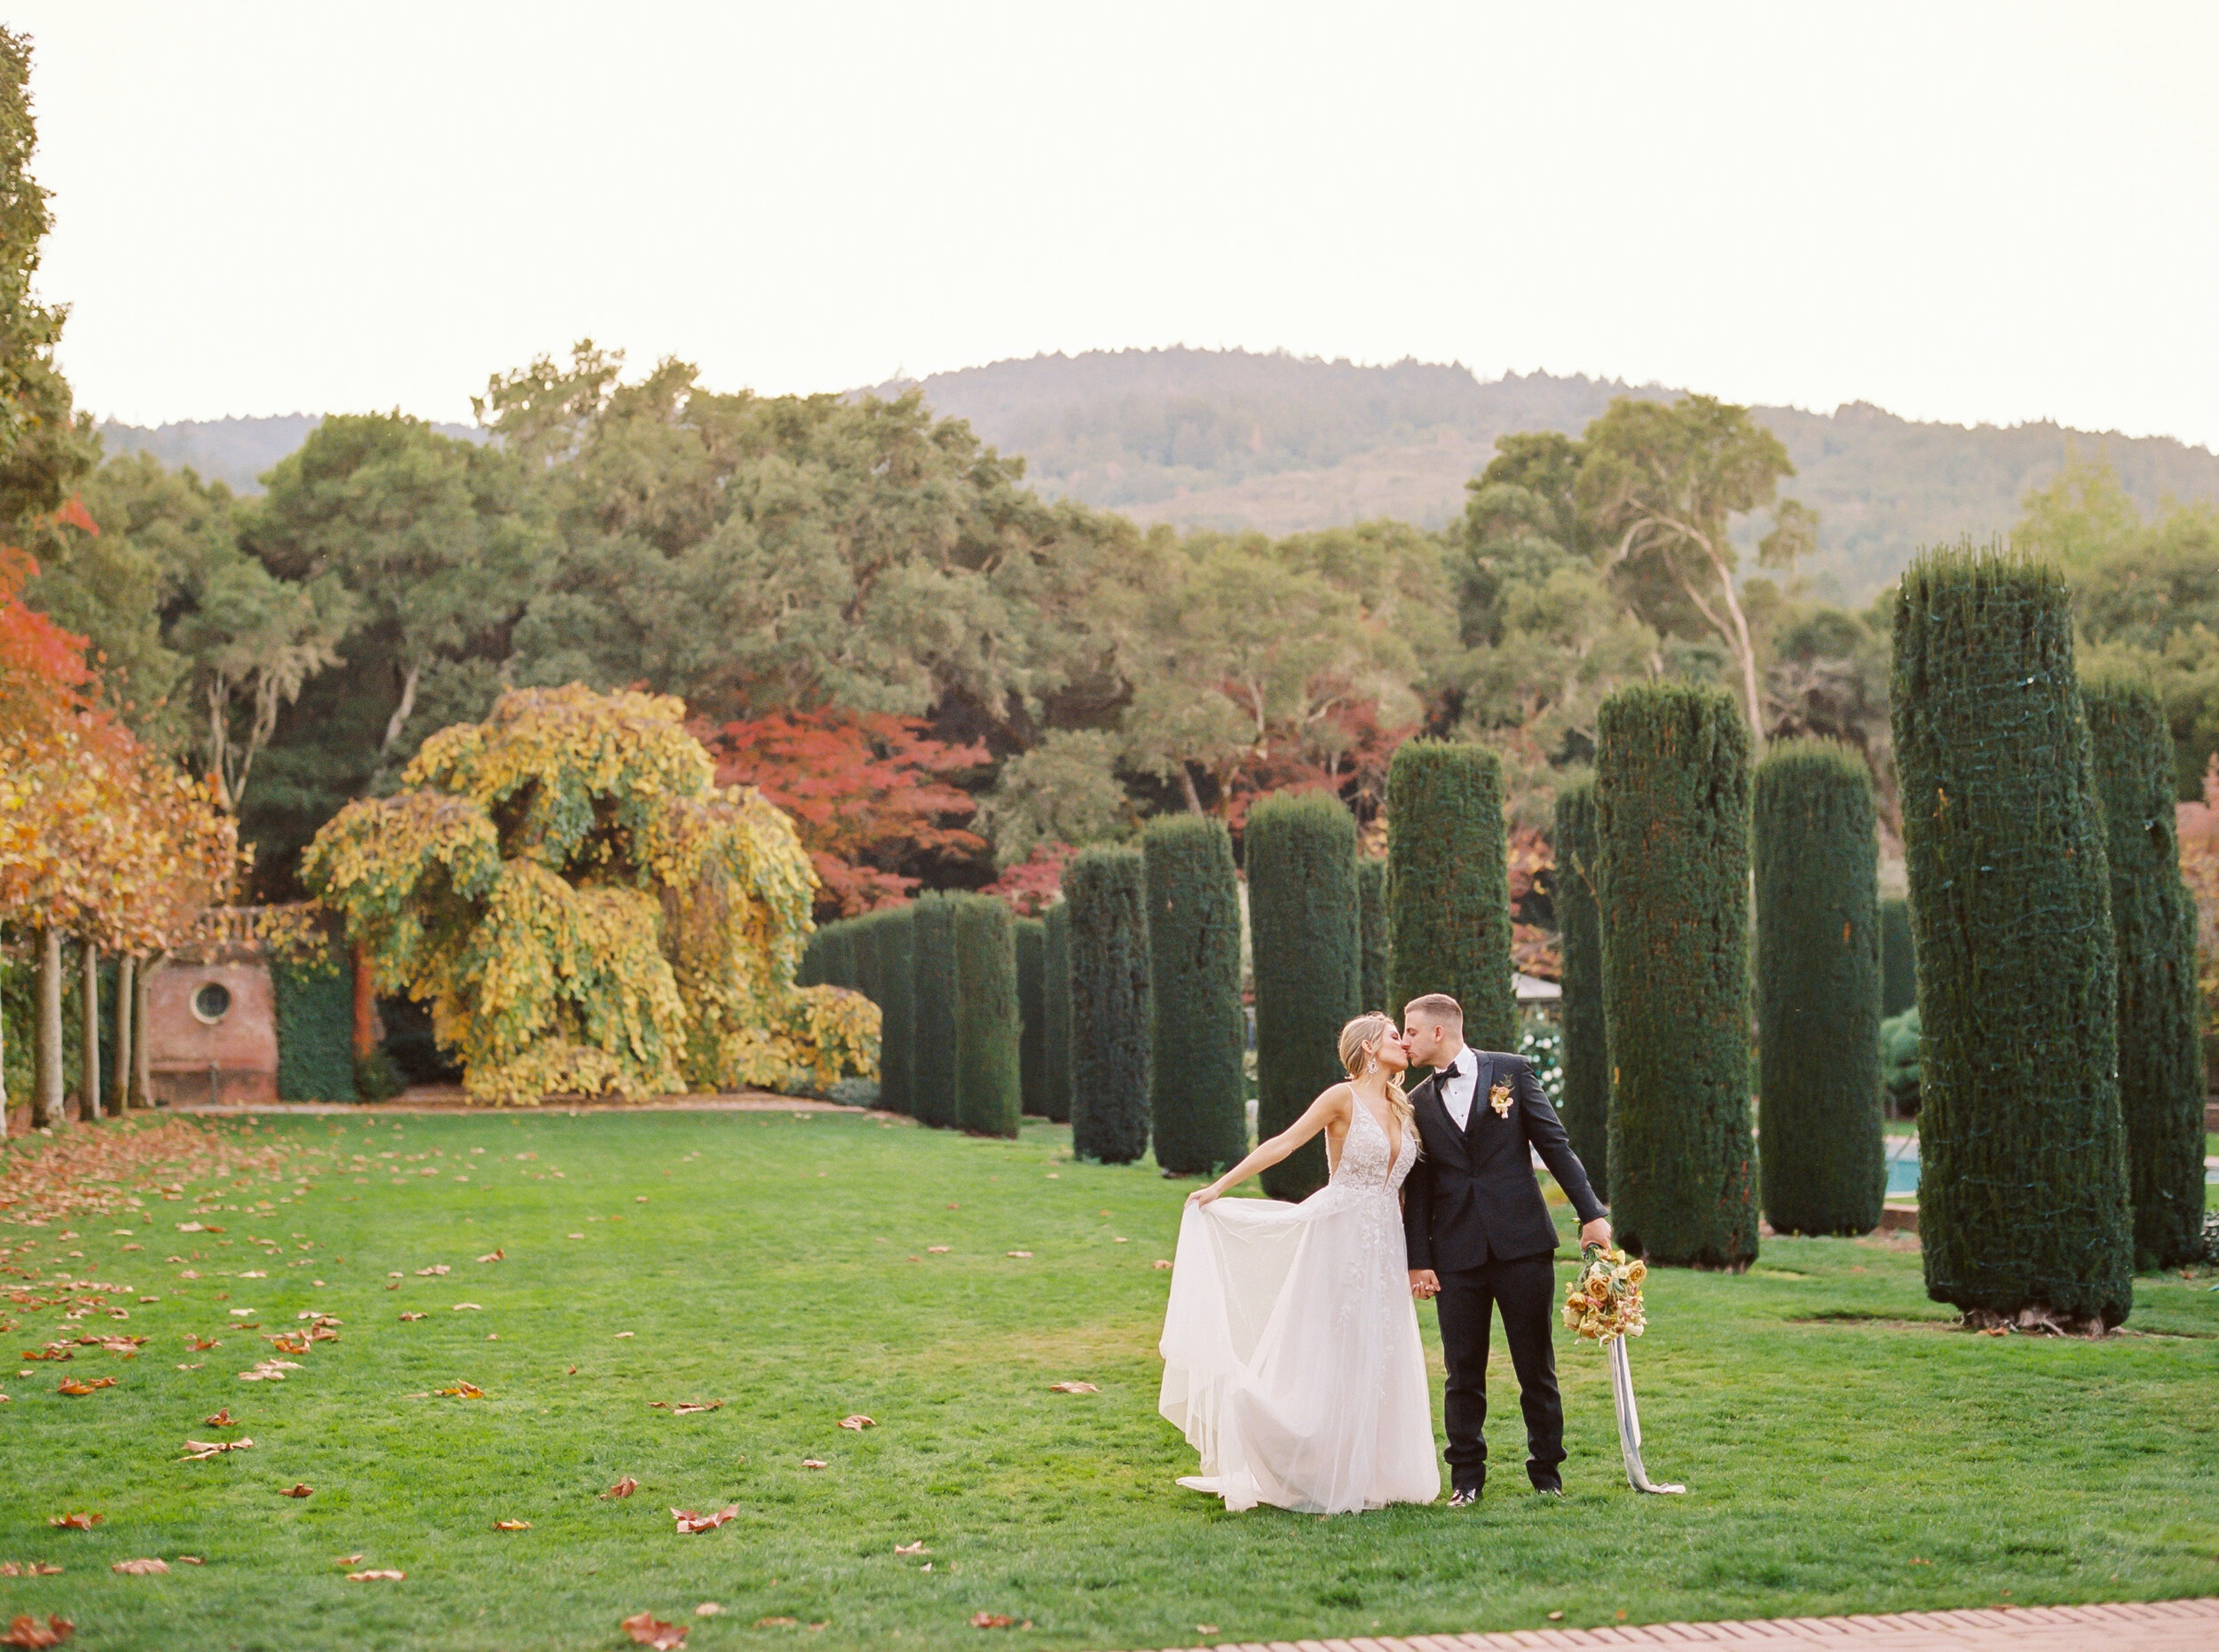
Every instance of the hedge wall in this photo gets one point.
(862, 952)
(1302, 853)
(1899, 967)
(315, 1029)
(897, 1007)
(1106, 892)
(1672, 824)
(1194, 932)
(2023, 1169)
(1449, 887)
(1823, 1167)
(1032, 1039)
(988, 1084)
(2160, 1049)
(932, 1072)
(1585, 1108)
(1371, 931)
(1055, 989)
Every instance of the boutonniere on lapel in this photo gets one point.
(1498, 1098)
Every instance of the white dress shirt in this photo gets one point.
(1455, 1084)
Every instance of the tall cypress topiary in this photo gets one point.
(932, 1072)
(1032, 1045)
(1449, 887)
(1194, 933)
(1823, 1167)
(1301, 852)
(988, 1087)
(2022, 1173)
(1585, 1108)
(863, 952)
(1372, 930)
(1899, 966)
(1055, 991)
(1671, 827)
(2160, 1050)
(1106, 892)
(897, 1008)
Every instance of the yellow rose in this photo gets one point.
(1637, 1271)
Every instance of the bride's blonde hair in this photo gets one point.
(1368, 1029)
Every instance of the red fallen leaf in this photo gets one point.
(222, 1419)
(199, 1345)
(493, 1255)
(647, 1632)
(405, 1318)
(85, 1387)
(811, 1462)
(991, 1620)
(689, 1521)
(27, 1632)
(1073, 1388)
(201, 1450)
(623, 1488)
(298, 1491)
(375, 1576)
(346, 1560)
(857, 1423)
(76, 1522)
(52, 1350)
(512, 1525)
(139, 1568)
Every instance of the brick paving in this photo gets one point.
(2150, 1626)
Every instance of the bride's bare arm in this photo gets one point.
(1331, 1105)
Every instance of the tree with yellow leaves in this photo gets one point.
(584, 911)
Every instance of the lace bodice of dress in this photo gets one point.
(1363, 1153)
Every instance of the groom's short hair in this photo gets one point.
(1437, 1007)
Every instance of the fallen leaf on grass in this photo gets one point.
(73, 1386)
(685, 1408)
(76, 1522)
(689, 1521)
(623, 1488)
(222, 1419)
(30, 1569)
(27, 1631)
(139, 1568)
(268, 1370)
(1161, 1265)
(1023, 1253)
(1211, 1629)
(463, 1391)
(707, 1608)
(1073, 1388)
(775, 1623)
(468, 1307)
(296, 1489)
(405, 1318)
(285, 1343)
(434, 1271)
(492, 1256)
(52, 1350)
(346, 1560)
(623, 1334)
(991, 1620)
(573, 1236)
(201, 1450)
(379, 1577)
(937, 1250)
(647, 1632)
(195, 1365)
(912, 1548)
(810, 1462)
(191, 1559)
(857, 1423)
(201, 1345)
(512, 1525)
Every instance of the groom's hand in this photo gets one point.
(1425, 1284)
(1597, 1232)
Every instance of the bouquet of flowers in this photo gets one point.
(1604, 1301)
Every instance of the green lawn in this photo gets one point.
(1845, 1451)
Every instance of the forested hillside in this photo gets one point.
(235, 451)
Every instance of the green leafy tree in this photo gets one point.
(1064, 790)
(989, 1083)
(1449, 887)
(1672, 826)
(1106, 891)
(1585, 1106)
(1301, 855)
(1818, 989)
(2022, 1202)
(1198, 1032)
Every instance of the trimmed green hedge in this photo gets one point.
(897, 1007)
(2160, 1048)
(1055, 989)
(315, 1029)
(2023, 1166)
(1193, 931)
(1671, 823)
(863, 952)
(1371, 931)
(1823, 1167)
(932, 1074)
(1449, 887)
(988, 1084)
(1106, 892)
(1899, 965)
(1033, 1010)
(1301, 854)
(1585, 1107)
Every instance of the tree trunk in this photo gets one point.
(89, 1047)
(46, 1085)
(399, 719)
(126, 1029)
(142, 1053)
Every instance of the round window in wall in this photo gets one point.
(211, 1002)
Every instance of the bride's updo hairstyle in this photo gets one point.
(1355, 1059)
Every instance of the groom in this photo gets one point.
(1478, 1234)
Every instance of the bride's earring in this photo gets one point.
(1371, 1064)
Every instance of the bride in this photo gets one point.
(1291, 1353)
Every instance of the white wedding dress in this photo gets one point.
(1291, 1353)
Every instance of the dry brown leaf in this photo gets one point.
(687, 1408)
(73, 1386)
(1161, 1265)
(937, 1250)
(191, 1559)
(468, 1307)
(30, 1569)
(76, 1522)
(1023, 1253)
(463, 1391)
(379, 1577)
(623, 1488)
(811, 1462)
(707, 1608)
(434, 1271)
(493, 1255)
(1073, 1388)
(296, 1489)
(222, 1419)
(857, 1423)
(912, 1548)
(139, 1568)
(689, 1521)
(775, 1623)
(646, 1631)
(406, 1318)
(991, 1620)
(512, 1525)
(201, 1450)
(52, 1350)
(201, 1345)
(27, 1632)
(346, 1560)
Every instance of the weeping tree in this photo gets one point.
(1899, 968)
(1449, 887)
(1672, 826)
(2160, 1050)
(988, 1091)
(1372, 930)
(1193, 931)
(1824, 1169)
(897, 1008)
(1302, 853)
(1107, 891)
(933, 1032)
(1032, 1063)
(1055, 993)
(2022, 1205)
(1585, 1108)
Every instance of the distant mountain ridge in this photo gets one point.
(235, 451)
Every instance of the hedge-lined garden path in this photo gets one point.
(1847, 1452)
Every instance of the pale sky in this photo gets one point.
(1969, 212)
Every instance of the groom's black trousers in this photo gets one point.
(1524, 1287)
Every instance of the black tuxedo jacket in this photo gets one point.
(1472, 1197)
